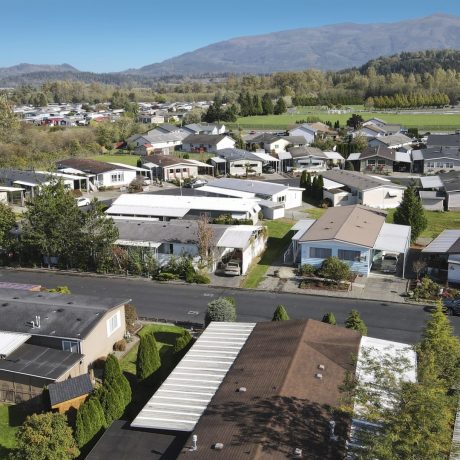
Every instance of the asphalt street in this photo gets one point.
(187, 303)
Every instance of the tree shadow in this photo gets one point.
(280, 424)
(166, 337)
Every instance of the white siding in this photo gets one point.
(380, 197)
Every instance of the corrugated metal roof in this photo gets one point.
(431, 182)
(354, 156)
(237, 237)
(146, 211)
(226, 192)
(184, 396)
(444, 242)
(10, 341)
(393, 238)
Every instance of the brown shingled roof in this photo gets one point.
(285, 406)
(352, 224)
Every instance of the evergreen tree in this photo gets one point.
(314, 188)
(280, 314)
(280, 106)
(355, 322)
(80, 434)
(182, 341)
(112, 373)
(257, 105)
(221, 309)
(303, 180)
(410, 212)
(148, 357)
(439, 350)
(267, 104)
(329, 318)
(349, 166)
(308, 185)
(319, 188)
(111, 403)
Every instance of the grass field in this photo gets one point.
(278, 241)
(165, 336)
(7, 432)
(437, 222)
(130, 160)
(314, 213)
(428, 121)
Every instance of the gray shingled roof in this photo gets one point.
(69, 389)
(447, 140)
(357, 180)
(211, 139)
(433, 153)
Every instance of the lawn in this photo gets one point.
(165, 335)
(315, 213)
(279, 237)
(437, 222)
(7, 432)
(130, 160)
(423, 121)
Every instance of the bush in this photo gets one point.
(182, 341)
(120, 345)
(198, 278)
(114, 376)
(221, 309)
(426, 289)
(136, 185)
(130, 318)
(280, 314)
(165, 276)
(329, 318)
(355, 322)
(60, 290)
(335, 270)
(148, 357)
(307, 270)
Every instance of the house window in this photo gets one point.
(178, 170)
(371, 162)
(171, 171)
(117, 177)
(449, 166)
(381, 162)
(113, 323)
(345, 254)
(68, 345)
(281, 198)
(320, 253)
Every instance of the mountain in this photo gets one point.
(331, 47)
(22, 69)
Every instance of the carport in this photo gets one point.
(393, 238)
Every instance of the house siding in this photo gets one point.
(453, 200)
(379, 197)
(362, 267)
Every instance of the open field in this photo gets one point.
(278, 241)
(423, 121)
(437, 222)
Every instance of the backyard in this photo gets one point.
(7, 430)
(278, 241)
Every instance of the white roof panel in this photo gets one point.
(333, 155)
(184, 396)
(330, 184)
(134, 210)
(431, 182)
(265, 156)
(301, 227)
(237, 237)
(417, 155)
(122, 165)
(403, 157)
(393, 238)
(354, 156)
(443, 242)
(284, 155)
(10, 342)
(218, 160)
(226, 192)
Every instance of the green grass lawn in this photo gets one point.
(7, 432)
(315, 213)
(165, 335)
(417, 120)
(278, 240)
(437, 222)
(130, 160)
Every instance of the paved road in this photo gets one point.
(177, 302)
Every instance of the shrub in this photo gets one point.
(148, 357)
(111, 402)
(120, 345)
(114, 376)
(165, 276)
(307, 270)
(198, 278)
(335, 270)
(60, 290)
(221, 309)
(426, 289)
(182, 341)
(329, 318)
(130, 317)
(136, 185)
(355, 322)
(280, 314)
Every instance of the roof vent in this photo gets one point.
(319, 376)
(242, 390)
(321, 367)
(332, 434)
(297, 452)
(218, 446)
(69, 303)
(60, 310)
(5, 304)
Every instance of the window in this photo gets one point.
(381, 162)
(113, 323)
(281, 198)
(178, 170)
(117, 177)
(345, 254)
(449, 166)
(371, 162)
(68, 345)
(320, 253)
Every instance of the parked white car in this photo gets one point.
(83, 201)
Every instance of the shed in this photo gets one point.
(69, 393)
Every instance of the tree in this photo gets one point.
(130, 317)
(418, 266)
(335, 269)
(206, 246)
(439, 350)
(7, 221)
(303, 180)
(308, 185)
(280, 314)
(148, 357)
(267, 104)
(329, 318)
(410, 212)
(280, 106)
(349, 166)
(111, 402)
(355, 322)
(45, 437)
(221, 309)
(355, 121)
(112, 373)
(52, 224)
(90, 420)
(9, 122)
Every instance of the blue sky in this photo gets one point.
(103, 35)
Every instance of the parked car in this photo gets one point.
(389, 262)
(232, 268)
(83, 201)
(198, 183)
(452, 306)
(268, 169)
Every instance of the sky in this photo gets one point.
(114, 35)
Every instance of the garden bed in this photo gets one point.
(321, 283)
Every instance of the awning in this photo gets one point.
(236, 238)
(330, 184)
(23, 182)
(10, 341)
(218, 160)
(431, 182)
(264, 156)
(393, 238)
(284, 156)
(140, 244)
